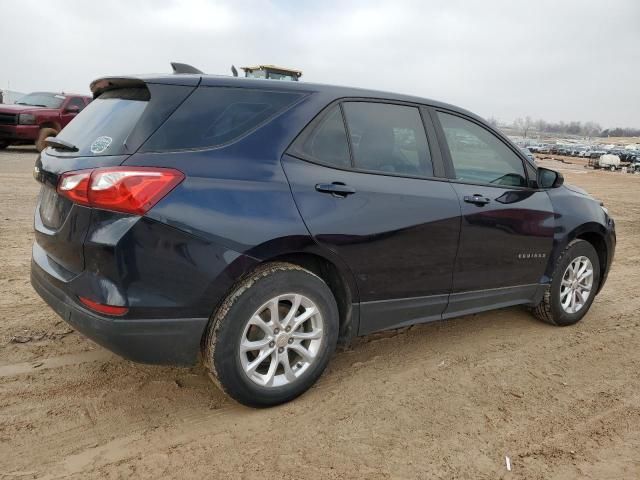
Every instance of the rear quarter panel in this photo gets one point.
(238, 196)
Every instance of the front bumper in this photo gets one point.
(610, 240)
(173, 341)
(19, 133)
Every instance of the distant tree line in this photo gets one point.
(620, 132)
(587, 129)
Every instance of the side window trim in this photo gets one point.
(346, 130)
(447, 153)
(439, 165)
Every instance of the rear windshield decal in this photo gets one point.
(100, 144)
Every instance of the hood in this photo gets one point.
(575, 189)
(12, 108)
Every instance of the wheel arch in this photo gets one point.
(594, 234)
(597, 241)
(49, 124)
(340, 281)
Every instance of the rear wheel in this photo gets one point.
(273, 336)
(573, 286)
(42, 136)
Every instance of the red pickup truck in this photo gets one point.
(37, 116)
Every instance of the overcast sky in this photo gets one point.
(557, 60)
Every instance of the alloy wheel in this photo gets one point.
(281, 340)
(576, 285)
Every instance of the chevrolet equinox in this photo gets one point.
(254, 224)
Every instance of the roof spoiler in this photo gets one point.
(185, 68)
(101, 85)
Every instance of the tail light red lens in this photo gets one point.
(122, 189)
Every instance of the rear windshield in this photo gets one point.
(103, 126)
(213, 116)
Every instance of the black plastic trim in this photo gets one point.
(396, 313)
(466, 303)
(174, 341)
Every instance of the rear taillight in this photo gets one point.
(122, 189)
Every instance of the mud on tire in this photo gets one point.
(550, 310)
(227, 328)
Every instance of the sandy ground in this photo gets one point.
(445, 400)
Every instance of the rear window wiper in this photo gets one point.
(59, 144)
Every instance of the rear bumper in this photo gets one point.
(19, 133)
(174, 341)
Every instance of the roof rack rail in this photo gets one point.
(184, 68)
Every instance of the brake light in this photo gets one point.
(101, 308)
(122, 189)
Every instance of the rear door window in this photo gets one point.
(388, 138)
(327, 143)
(213, 116)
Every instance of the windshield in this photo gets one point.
(281, 76)
(103, 126)
(256, 74)
(40, 99)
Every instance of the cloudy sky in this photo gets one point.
(552, 59)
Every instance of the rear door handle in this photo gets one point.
(477, 199)
(337, 189)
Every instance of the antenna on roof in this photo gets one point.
(234, 71)
(184, 68)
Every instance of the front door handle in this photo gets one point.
(477, 199)
(337, 189)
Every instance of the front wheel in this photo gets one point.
(573, 286)
(273, 336)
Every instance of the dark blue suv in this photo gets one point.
(253, 224)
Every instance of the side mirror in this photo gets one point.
(549, 178)
(72, 109)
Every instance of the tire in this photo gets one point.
(238, 318)
(612, 168)
(3, 145)
(42, 136)
(550, 309)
